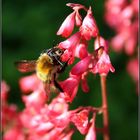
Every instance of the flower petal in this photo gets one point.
(84, 84)
(81, 66)
(89, 28)
(91, 135)
(70, 87)
(67, 26)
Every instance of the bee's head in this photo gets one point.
(58, 52)
(54, 53)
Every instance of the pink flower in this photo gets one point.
(132, 68)
(76, 8)
(81, 70)
(91, 135)
(66, 55)
(57, 106)
(58, 112)
(67, 26)
(126, 39)
(36, 99)
(61, 121)
(29, 83)
(78, 18)
(70, 46)
(113, 9)
(117, 42)
(14, 134)
(4, 90)
(70, 42)
(101, 42)
(81, 121)
(132, 39)
(70, 87)
(42, 120)
(81, 66)
(50, 135)
(135, 6)
(8, 112)
(103, 66)
(81, 50)
(125, 24)
(66, 136)
(35, 120)
(84, 83)
(89, 28)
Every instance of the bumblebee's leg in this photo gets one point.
(56, 84)
(58, 60)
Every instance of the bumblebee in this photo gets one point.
(47, 67)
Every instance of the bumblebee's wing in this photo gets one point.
(26, 66)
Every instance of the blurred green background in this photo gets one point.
(29, 26)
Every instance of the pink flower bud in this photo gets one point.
(67, 26)
(89, 28)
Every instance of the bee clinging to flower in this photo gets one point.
(47, 67)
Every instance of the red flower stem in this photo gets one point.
(105, 107)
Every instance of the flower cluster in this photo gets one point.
(42, 121)
(125, 25)
(12, 129)
(54, 121)
(76, 46)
